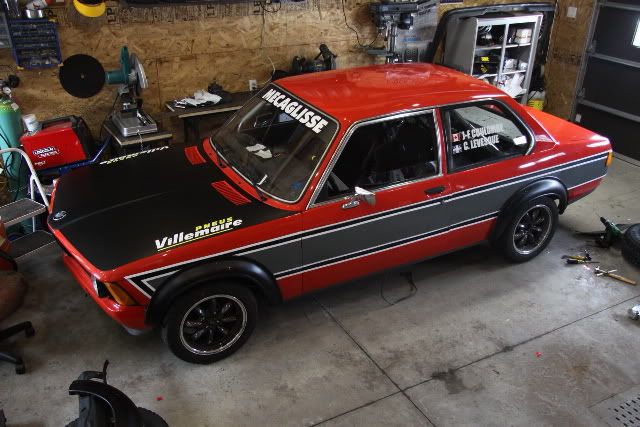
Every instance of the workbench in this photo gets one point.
(127, 144)
(191, 116)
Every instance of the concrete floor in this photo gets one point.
(479, 342)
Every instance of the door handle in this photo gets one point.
(351, 204)
(434, 190)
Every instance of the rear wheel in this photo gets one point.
(210, 322)
(530, 230)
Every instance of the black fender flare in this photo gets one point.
(549, 187)
(124, 411)
(244, 270)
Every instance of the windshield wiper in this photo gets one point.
(219, 150)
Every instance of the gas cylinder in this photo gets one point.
(10, 132)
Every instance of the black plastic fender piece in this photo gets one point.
(125, 413)
(550, 187)
(245, 270)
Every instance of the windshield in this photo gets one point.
(276, 141)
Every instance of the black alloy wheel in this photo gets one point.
(210, 322)
(213, 324)
(530, 229)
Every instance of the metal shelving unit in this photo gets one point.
(464, 51)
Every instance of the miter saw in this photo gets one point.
(83, 76)
(128, 116)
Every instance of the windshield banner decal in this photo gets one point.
(296, 109)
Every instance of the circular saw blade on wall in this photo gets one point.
(82, 76)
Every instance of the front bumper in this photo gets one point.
(131, 317)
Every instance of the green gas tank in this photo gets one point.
(10, 132)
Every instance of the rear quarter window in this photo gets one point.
(482, 133)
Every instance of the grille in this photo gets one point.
(230, 193)
(621, 410)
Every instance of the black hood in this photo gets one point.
(132, 207)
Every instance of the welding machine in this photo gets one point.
(60, 141)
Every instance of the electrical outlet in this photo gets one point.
(253, 84)
(572, 11)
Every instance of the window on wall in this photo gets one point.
(636, 35)
(482, 133)
(383, 154)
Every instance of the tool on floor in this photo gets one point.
(610, 273)
(585, 257)
(634, 312)
(610, 235)
(580, 261)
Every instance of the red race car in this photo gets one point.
(318, 179)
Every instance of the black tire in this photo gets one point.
(214, 333)
(631, 245)
(537, 235)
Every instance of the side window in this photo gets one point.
(482, 133)
(384, 153)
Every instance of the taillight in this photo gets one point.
(609, 158)
(119, 294)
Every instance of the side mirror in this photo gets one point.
(366, 195)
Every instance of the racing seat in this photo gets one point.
(404, 156)
(5, 334)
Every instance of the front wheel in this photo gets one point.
(531, 228)
(210, 322)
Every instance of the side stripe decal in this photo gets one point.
(141, 280)
(383, 247)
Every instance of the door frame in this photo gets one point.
(377, 119)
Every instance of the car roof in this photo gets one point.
(354, 94)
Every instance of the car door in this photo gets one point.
(485, 142)
(377, 204)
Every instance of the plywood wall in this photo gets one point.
(186, 48)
